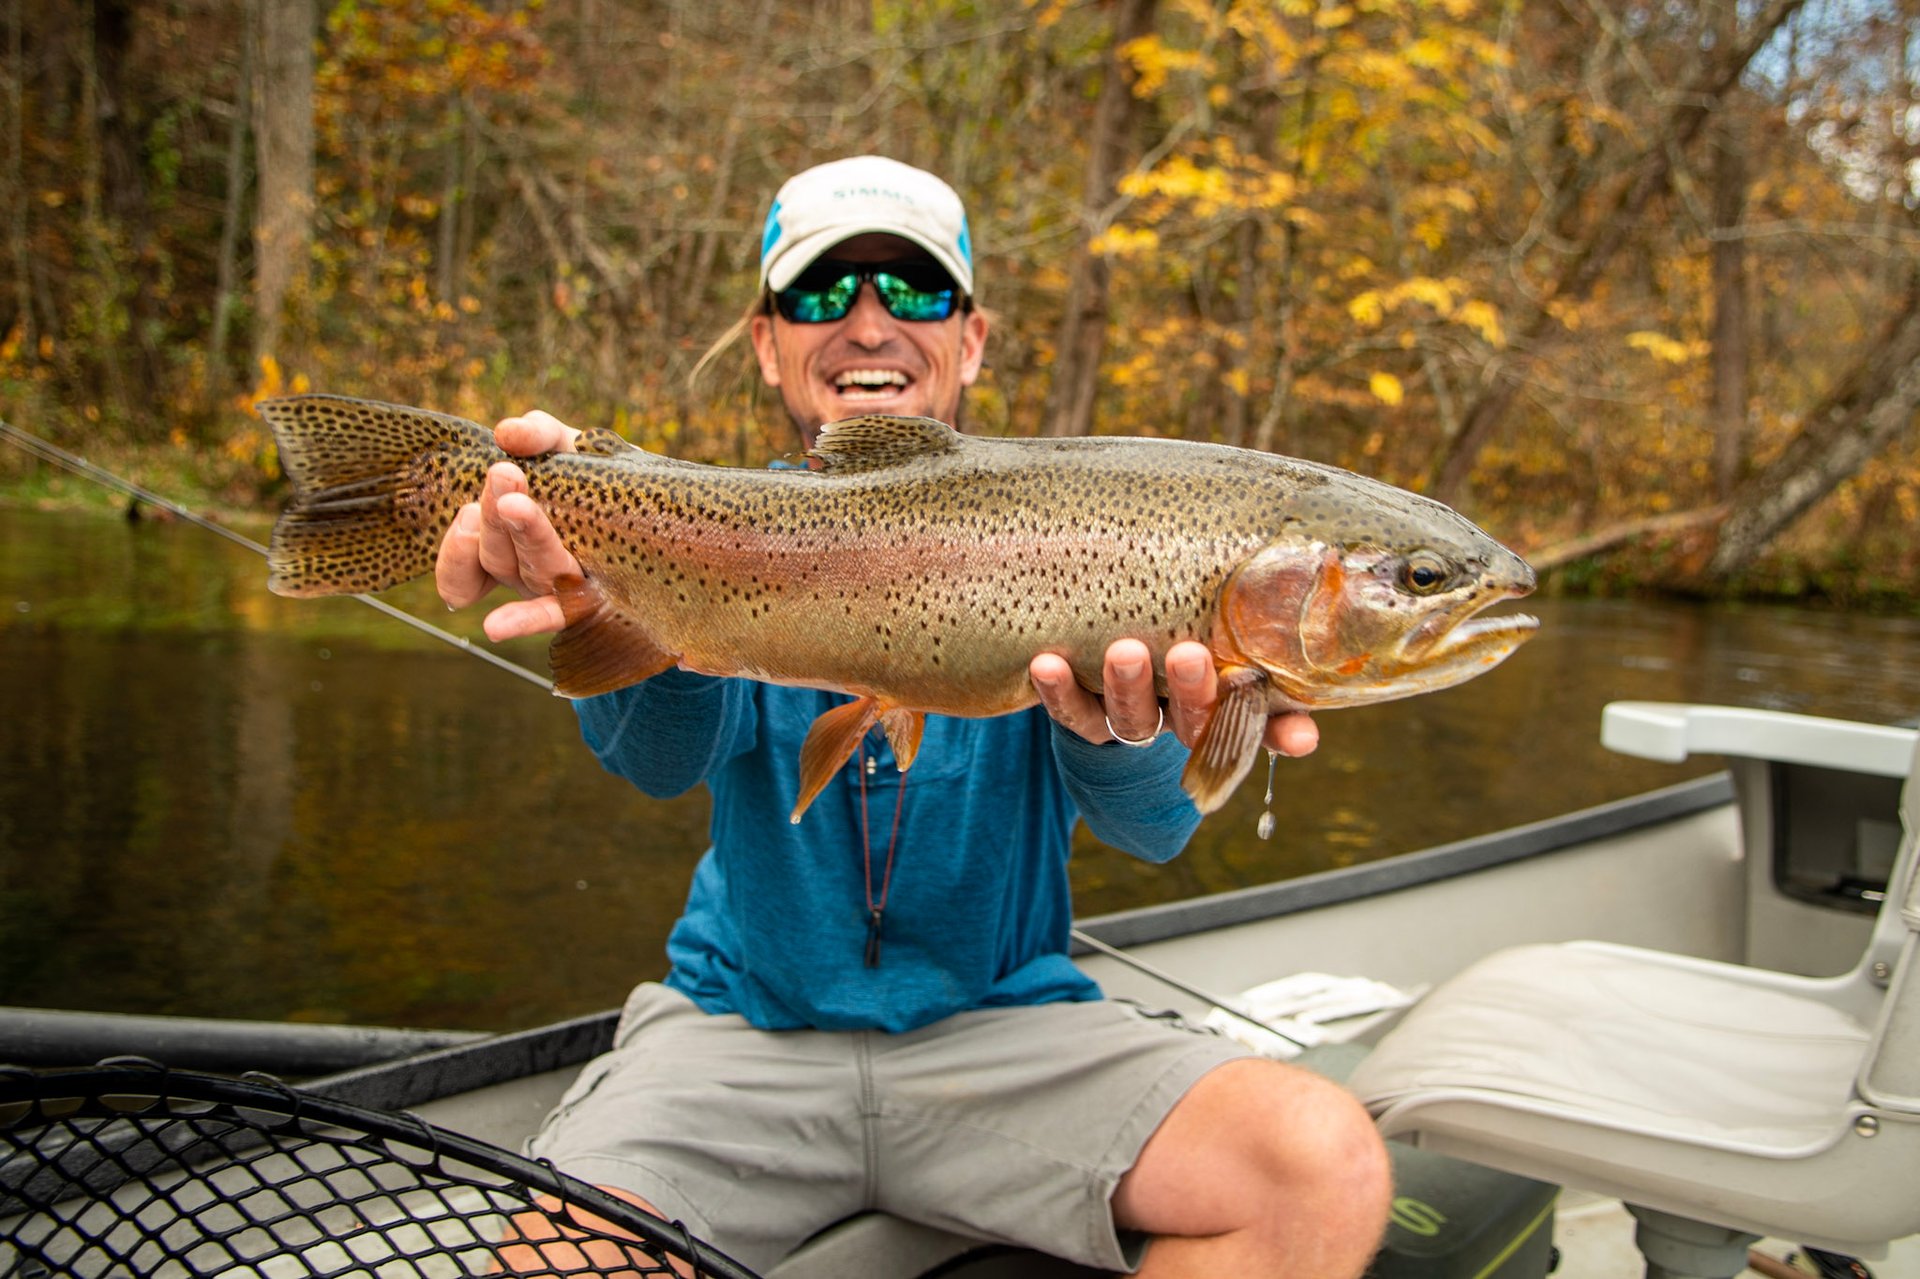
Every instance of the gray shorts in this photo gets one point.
(1010, 1124)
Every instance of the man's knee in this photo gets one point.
(1319, 1137)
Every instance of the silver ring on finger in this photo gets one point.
(1139, 741)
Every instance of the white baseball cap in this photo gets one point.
(861, 195)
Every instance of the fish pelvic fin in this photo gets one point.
(374, 488)
(875, 442)
(1230, 742)
(601, 649)
(830, 744)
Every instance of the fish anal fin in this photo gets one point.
(601, 649)
(904, 729)
(1230, 742)
(830, 744)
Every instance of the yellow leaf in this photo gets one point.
(1423, 288)
(1124, 241)
(1660, 347)
(1427, 52)
(1484, 319)
(1386, 388)
(1368, 308)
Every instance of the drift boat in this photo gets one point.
(1685, 1024)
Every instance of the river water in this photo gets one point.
(217, 802)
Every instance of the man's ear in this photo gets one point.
(973, 345)
(761, 330)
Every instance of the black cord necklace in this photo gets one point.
(877, 902)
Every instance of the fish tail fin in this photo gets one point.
(374, 488)
(830, 744)
(1230, 742)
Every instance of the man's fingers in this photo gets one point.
(498, 555)
(539, 554)
(541, 615)
(532, 434)
(1293, 734)
(457, 574)
(1072, 706)
(1131, 704)
(1192, 684)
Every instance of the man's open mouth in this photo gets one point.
(856, 384)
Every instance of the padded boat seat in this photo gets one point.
(1746, 1099)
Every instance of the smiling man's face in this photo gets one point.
(867, 361)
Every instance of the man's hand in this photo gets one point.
(505, 539)
(1131, 707)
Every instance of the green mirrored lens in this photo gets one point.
(820, 306)
(905, 302)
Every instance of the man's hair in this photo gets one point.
(761, 305)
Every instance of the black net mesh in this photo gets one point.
(147, 1172)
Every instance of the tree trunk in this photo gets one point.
(1871, 405)
(1647, 177)
(1730, 350)
(226, 286)
(19, 206)
(283, 147)
(1083, 329)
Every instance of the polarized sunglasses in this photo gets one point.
(910, 290)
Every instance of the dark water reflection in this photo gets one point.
(217, 802)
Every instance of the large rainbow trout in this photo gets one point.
(920, 569)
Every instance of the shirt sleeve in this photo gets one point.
(668, 734)
(1130, 798)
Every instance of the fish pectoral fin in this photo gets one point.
(1230, 742)
(601, 649)
(904, 729)
(830, 744)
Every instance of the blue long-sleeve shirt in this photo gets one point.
(978, 908)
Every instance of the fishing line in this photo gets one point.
(58, 456)
(48, 452)
(1166, 978)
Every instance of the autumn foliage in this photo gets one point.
(1590, 271)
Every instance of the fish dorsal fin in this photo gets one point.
(875, 442)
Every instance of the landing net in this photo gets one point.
(135, 1170)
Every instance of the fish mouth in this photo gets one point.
(1506, 628)
(1468, 646)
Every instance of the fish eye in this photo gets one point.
(1424, 573)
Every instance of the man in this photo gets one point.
(875, 1008)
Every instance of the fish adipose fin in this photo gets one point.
(876, 442)
(1230, 741)
(374, 488)
(600, 650)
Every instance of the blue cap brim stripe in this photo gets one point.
(770, 236)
